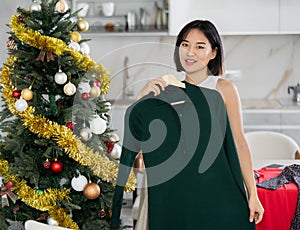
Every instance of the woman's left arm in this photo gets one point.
(233, 105)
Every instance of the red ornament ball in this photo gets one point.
(16, 93)
(98, 83)
(110, 146)
(70, 125)
(56, 166)
(85, 96)
(47, 164)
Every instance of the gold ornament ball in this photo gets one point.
(27, 94)
(95, 91)
(91, 191)
(61, 6)
(75, 36)
(82, 25)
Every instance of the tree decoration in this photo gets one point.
(47, 164)
(101, 213)
(114, 138)
(27, 94)
(85, 134)
(84, 48)
(56, 166)
(49, 56)
(6, 192)
(70, 125)
(109, 145)
(57, 47)
(95, 91)
(61, 6)
(91, 191)
(75, 36)
(10, 44)
(78, 183)
(35, 6)
(20, 18)
(21, 105)
(16, 93)
(41, 125)
(60, 77)
(85, 96)
(75, 46)
(82, 25)
(69, 89)
(98, 125)
(116, 151)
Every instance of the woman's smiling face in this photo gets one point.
(195, 52)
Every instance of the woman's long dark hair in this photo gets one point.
(215, 66)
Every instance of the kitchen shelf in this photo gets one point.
(100, 31)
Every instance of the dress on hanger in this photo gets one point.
(193, 172)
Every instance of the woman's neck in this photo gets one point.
(195, 80)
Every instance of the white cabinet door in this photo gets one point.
(289, 17)
(229, 16)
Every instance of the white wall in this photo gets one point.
(268, 64)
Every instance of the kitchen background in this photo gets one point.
(262, 60)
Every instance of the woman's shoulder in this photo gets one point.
(227, 89)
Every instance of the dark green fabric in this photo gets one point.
(193, 172)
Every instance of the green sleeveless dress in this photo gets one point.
(193, 172)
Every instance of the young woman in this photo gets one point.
(199, 54)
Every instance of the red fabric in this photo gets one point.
(279, 204)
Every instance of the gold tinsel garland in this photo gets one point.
(43, 201)
(99, 163)
(58, 47)
(104, 168)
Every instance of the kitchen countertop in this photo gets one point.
(247, 104)
(284, 103)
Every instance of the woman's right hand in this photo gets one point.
(155, 85)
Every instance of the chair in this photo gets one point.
(271, 145)
(34, 225)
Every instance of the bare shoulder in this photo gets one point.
(227, 89)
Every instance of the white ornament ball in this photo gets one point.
(84, 48)
(116, 152)
(84, 87)
(51, 221)
(69, 89)
(60, 77)
(75, 46)
(78, 183)
(98, 125)
(35, 6)
(21, 104)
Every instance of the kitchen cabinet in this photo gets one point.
(279, 120)
(230, 17)
(238, 17)
(130, 17)
(289, 22)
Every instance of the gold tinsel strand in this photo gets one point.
(102, 167)
(43, 201)
(58, 47)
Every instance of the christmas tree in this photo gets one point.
(58, 159)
